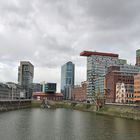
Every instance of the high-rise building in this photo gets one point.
(138, 57)
(67, 78)
(97, 64)
(25, 77)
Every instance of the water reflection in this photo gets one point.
(62, 124)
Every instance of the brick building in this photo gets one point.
(116, 75)
(137, 88)
(79, 92)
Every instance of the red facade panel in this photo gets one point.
(88, 53)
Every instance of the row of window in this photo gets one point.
(137, 92)
(137, 78)
(125, 80)
(137, 96)
(137, 87)
(137, 82)
(129, 86)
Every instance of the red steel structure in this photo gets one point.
(89, 53)
(42, 95)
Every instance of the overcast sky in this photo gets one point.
(51, 32)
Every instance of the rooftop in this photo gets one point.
(47, 94)
(89, 53)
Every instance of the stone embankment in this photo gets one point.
(124, 111)
(7, 105)
(130, 112)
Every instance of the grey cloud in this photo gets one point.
(112, 14)
(52, 32)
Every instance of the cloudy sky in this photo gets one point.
(51, 32)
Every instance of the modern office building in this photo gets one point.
(122, 61)
(137, 88)
(99, 84)
(25, 77)
(97, 64)
(138, 57)
(50, 87)
(68, 92)
(37, 87)
(67, 78)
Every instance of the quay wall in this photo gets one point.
(123, 111)
(7, 105)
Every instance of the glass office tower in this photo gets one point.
(67, 79)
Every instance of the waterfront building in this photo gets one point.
(11, 91)
(97, 64)
(43, 86)
(67, 79)
(137, 88)
(99, 85)
(25, 77)
(138, 57)
(37, 87)
(48, 96)
(50, 87)
(79, 92)
(4, 92)
(130, 69)
(118, 74)
(48, 92)
(16, 91)
(124, 93)
(122, 61)
(68, 91)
